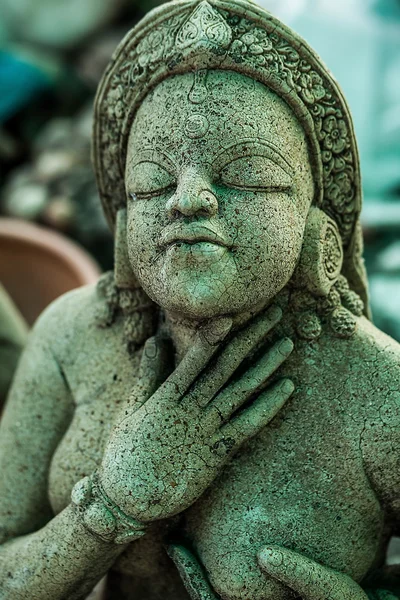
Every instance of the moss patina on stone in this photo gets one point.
(218, 418)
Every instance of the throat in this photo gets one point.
(182, 330)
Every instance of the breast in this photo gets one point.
(80, 451)
(299, 485)
(78, 454)
(100, 373)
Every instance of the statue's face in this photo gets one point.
(219, 185)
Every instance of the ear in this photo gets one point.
(321, 258)
(123, 274)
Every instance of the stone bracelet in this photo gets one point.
(101, 516)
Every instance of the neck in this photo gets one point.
(182, 330)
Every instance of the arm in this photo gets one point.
(62, 559)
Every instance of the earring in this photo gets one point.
(321, 258)
(123, 274)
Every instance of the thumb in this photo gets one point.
(191, 572)
(308, 579)
(155, 366)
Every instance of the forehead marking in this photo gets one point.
(197, 126)
(199, 91)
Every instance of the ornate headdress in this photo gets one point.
(237, 36)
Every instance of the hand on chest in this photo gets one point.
(311, 497)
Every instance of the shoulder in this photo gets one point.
(366, 366)
(368, 345)
(360, 375)
(377, 343)
(363, 368)
(57, 334)
(378, 364)
(376, 358)
(67, 320)
(367, 363)
(80, 303)
(93, 333)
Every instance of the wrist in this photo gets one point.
(101, 516)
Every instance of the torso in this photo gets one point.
(301, 483)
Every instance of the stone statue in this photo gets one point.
(221, 407)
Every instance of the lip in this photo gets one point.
(192, 234)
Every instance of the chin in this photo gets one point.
(204, 295)
(201, 303)
(194, 306)
(198, 300)
(197, 310)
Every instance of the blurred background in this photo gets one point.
(52, 55)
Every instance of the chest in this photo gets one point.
(311, 497)
(299, 484)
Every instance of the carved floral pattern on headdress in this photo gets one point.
(232, 41)
(311, 87)
(334, 134)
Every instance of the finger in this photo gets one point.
(255, 417)
(252, 382)
(153, 369)
(192, 574)
(155, 365)
(245, 342)
(195, 360)
(307, 578)
(216, 330)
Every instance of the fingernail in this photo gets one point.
(171, 550)
(288, 386)
(150, 348)
(274, 312)
(268, 556)
(215, 331)
(286, 346)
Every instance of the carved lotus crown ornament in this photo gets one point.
(237, 36)
(204, 27)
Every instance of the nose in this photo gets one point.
(192, 198)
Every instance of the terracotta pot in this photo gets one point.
(37, 265)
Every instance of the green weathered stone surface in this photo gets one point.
(221, 407)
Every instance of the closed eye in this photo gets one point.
(257, 174)
(148, 179)
(280, 189)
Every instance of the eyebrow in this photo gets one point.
(155, 155)
(246, 147)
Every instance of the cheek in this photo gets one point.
(269, 226)
(284, 231)
(143, 232)
(269, 237)
(145, 221)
